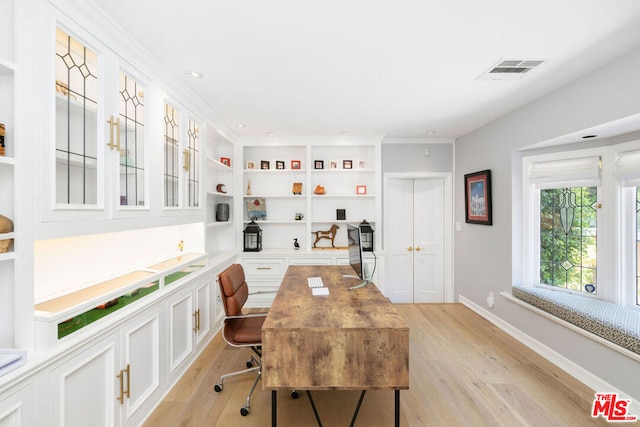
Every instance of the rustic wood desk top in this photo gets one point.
(350, 339)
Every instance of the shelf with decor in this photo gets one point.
(341, 174)
(221, 167)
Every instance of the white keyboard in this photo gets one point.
(315, 282)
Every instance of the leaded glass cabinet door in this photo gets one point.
(77, 157)
(192, 166)
(171, 157)
(132, 168)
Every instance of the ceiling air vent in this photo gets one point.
(509, 69)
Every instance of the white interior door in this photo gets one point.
(415, 223)
(399, 240)
(428, 240)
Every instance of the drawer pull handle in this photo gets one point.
(264, 268)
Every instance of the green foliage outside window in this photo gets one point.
(568, 229)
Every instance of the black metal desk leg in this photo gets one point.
(274, 420)
(397, 408)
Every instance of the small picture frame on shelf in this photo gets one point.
(347, 164)
(279, 164)
(264, 164)
(251, 164)
(362, 164)
(333, 164)
(341, 214)
(361, 189)
(318, 164)
(295, 164)
(225, 161)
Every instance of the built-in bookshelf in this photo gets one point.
(293, 190)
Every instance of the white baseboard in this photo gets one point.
(567, 365)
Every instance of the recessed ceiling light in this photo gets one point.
(589, 136)
(271, 133)
(241, 125)
(344, 132)
(430, 132)
(195, 74)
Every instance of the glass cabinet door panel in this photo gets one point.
(76, 68)
(171, 157)
(132, 148)
(193, 166)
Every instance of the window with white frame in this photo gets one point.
(581, 222)
(626, 170)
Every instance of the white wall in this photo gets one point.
(484, 260)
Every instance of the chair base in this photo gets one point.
(253, 365)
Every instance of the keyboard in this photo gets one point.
(315, 282)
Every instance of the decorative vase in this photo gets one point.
(6, 226)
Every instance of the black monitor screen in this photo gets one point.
(355, 250)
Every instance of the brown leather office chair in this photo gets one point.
(240, 330)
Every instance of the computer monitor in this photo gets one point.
(355, 255)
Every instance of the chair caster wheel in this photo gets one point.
(249, 364)
(244, 411)
(295, 394)
(218, 388)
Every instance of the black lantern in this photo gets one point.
(252, 237)
(366, 236)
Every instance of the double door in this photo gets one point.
(417, 239)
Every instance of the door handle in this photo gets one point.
(418, 248)
(410, 248)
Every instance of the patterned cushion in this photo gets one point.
(610, 321)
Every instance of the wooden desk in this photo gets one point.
(348, 340)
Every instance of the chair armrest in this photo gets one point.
(244, 316)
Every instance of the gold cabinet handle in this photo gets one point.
(410, 248)
(196, 320)
(263, 268)
(418, 248)
(120, 376)
(185, 165)
(128, 390)
(114, 123)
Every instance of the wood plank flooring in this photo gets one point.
(464, 371)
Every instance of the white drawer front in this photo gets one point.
(264, 268)
(310, 261)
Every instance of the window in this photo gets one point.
(568, 233)
(637, 246)
(581, 222)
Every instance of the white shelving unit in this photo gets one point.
(7, 202)
(347, 169)
(220, 189)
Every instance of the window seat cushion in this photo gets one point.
(610, 321)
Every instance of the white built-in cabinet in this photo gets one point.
(85, 168)
(190, 315)
(7, 178)
(122, 371)
(348, 171)
(17, 407)
(220, 192)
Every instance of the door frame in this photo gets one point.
(447, 178)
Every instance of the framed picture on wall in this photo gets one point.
(477, 197)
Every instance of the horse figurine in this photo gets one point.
(329, 235)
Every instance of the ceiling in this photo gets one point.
(402, 68)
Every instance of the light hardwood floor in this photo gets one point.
(464, 371)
